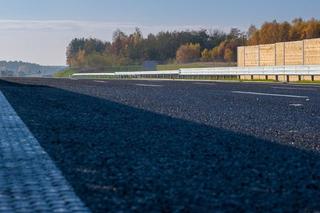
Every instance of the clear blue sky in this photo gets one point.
(46, 26)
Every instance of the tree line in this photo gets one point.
(273, 32)
(183, 46)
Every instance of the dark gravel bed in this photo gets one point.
(177, 147)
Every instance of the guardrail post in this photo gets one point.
(244, 56)
(259, 62)
(275, 54)
(284, 53)
(303, 59)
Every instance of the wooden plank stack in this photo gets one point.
(311, 51)
(280, 54)
(251, 55)
(306, 52)
(267, 55)
(294, 53)
(241, 56)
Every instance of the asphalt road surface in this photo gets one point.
(165, 146)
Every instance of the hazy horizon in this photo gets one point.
(39, 31)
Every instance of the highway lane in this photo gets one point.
(216, 104)
(173, 145)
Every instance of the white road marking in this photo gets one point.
(209, 84)
(295, 88)
(28, 172)
(302, 85)
(101, 81)
(296, 105)
(270, 94)
(148, 85)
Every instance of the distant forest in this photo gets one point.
(19, 68)
(183, 46)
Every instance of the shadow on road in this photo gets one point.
(122, 158)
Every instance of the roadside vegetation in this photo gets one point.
(309, 82)
(178, 49)
(65, 73)
(272, 32)
(182, 47)
(176, 66)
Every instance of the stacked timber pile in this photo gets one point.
(294, 53)
(312, 51)
(306, 52)
(267, 55)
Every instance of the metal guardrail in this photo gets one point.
(276, 70)
(219, 71)
(93, 74)
(164, 72)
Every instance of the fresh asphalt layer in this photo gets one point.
(178, 146)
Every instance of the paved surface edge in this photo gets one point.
(29, 179)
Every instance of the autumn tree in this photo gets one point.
(206, 55)
(119, 45)
(215, 54)
(185, 46)
(135, 49)
(284, 34)
(312, 29)
(228, 55)
(251, 31)
(273, 32)
(188, 53)
(73, 49)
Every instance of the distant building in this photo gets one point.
(6, 73)
(150, 65)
